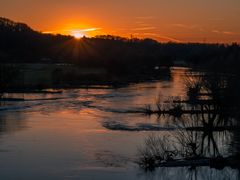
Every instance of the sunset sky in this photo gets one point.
(163, 20)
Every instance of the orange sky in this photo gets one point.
(164, 20)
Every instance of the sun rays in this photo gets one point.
(77, 34)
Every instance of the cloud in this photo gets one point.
(49, 32)
(216, 31)
(141, 23)
(229, 33)
(144, 28)
(158, 36)
(145, 17)
(185, 26)
(169, 38)
(85, 30)
(91, 29)
(224, 32)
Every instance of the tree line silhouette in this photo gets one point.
(20, 44)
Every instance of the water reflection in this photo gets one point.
(186, 173)
(87, 134)
(11, 122)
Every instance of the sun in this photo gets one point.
(77, 34)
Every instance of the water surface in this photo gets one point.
(86, 134)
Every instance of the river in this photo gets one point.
(86, 134)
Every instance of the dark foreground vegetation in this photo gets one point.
(205, 119)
